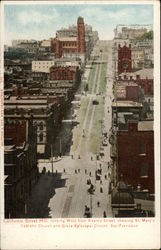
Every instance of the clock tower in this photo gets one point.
(124, 59)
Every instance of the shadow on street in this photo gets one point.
(42, 192)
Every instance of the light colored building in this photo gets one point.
(137, 58)
(131, 31)
(42, 66)
(45, 43)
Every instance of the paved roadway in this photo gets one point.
(70, 196)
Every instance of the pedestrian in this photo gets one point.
(72, 156)
(100, 165)
(85, 171)
(101, 190)
(64, 170)
(104, 214)
(91, 158)
(90, 173)
(98, 204)
(105, 176)
(75, 171)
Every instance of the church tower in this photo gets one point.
(81, 46)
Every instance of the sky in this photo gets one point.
(41, 21)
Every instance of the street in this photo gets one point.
(65, 193)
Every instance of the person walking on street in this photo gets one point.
(98, 204)
(90, 173)
(64, 170)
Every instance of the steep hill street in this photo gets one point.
(66, 191)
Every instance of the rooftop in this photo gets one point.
(145, 126)
(126, 104)
(143, 73)
(67, 39)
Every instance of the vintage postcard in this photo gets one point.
(80, 149)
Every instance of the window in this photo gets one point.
(41, 137)
(144, 170)
(41, 126)
(21, 189)
(142, 147)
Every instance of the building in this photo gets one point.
(69, 45)
(20, 165)
(124, 59)
(42, 66)
(123, 111)
(46, 113)
(63, 73)
(130, 31)
(137, 58)
(136, 155)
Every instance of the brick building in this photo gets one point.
(20, 166)
(124, 59)
(70, 45)
(63, 73)
(136, 155)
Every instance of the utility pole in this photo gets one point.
(52, 158)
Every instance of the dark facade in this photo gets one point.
(20, 166)
(124, 59)
(136, 155)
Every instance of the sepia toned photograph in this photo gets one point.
(79, 110)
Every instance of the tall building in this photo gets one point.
(136, 155)
(81, 48)
(124, 59)
(70, 45)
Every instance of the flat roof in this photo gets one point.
(145, 126)
(143, 73)
(125, 103)
(66, 39)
